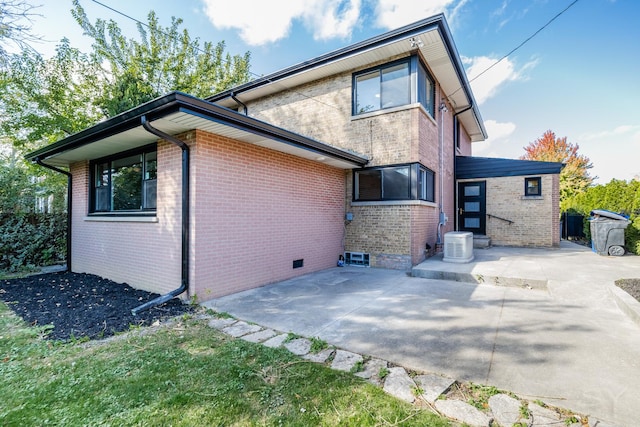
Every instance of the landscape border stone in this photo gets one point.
(397, 382)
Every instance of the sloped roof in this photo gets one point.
(430, 36)
(176, 113)
(487, 167)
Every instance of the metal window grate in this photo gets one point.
(358, 259)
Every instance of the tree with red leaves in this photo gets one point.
(574, 178)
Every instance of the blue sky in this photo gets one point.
(578, 77)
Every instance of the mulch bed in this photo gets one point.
(630, 286)
(82, 305)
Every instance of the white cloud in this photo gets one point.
(487, 79)
(615, 132)
(330, 19)
(499, 133)
(498, 130)
(396, 13)
(260, 22)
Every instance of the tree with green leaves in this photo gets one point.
(574, 177)
(44, 100)
(15, 26)
(616, 196)
(161, 61)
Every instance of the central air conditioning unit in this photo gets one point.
(458, 246)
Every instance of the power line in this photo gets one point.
(520, 45)
(202, 51)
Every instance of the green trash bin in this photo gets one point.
(607, 232)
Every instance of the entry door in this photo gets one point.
(472, 207)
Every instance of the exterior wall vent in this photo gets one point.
(358, 259)
(298, 263)
(458, 247)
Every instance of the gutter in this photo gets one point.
(184, 284)
(69, 181)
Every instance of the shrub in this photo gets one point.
(30, 240)
(616, 196)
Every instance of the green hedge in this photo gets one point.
(31, 240)
(616, 196)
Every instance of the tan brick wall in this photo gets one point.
(322, 110)
(535, 219)
(394, 235)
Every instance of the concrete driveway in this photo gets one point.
(550, 329)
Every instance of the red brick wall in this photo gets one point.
(253, 211)
(145, 255)
(257, 210)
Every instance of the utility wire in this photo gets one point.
(520, 45)
(333, 106)
(202, 51)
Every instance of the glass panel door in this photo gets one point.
(472, 207)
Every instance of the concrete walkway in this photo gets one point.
(544, 324)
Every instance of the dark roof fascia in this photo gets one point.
(116, 124)
(469, 167)
(240, 121)
(178, 101)
(416, 28)
(443, 27)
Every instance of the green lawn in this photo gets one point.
(186, 374)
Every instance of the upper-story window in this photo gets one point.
(391, 85)
(124, 182)
(426, 90)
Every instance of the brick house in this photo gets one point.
(353, 152)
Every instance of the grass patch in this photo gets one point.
(474, 394)
(185, 374)
(317, 345)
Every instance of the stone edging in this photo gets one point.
(423, 390)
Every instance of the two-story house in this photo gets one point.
(353, 153)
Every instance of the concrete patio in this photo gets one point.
(545, 324)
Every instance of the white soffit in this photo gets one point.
(433, 49)
(178, 123)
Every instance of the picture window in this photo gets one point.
(125, 183)
(401, 182)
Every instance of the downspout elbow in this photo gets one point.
(184, 283)
(39, 161)
(244, 106)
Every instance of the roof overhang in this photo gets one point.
(431, 37)
(468, 167)
(177, 113)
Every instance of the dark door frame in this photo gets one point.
(471, 212)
